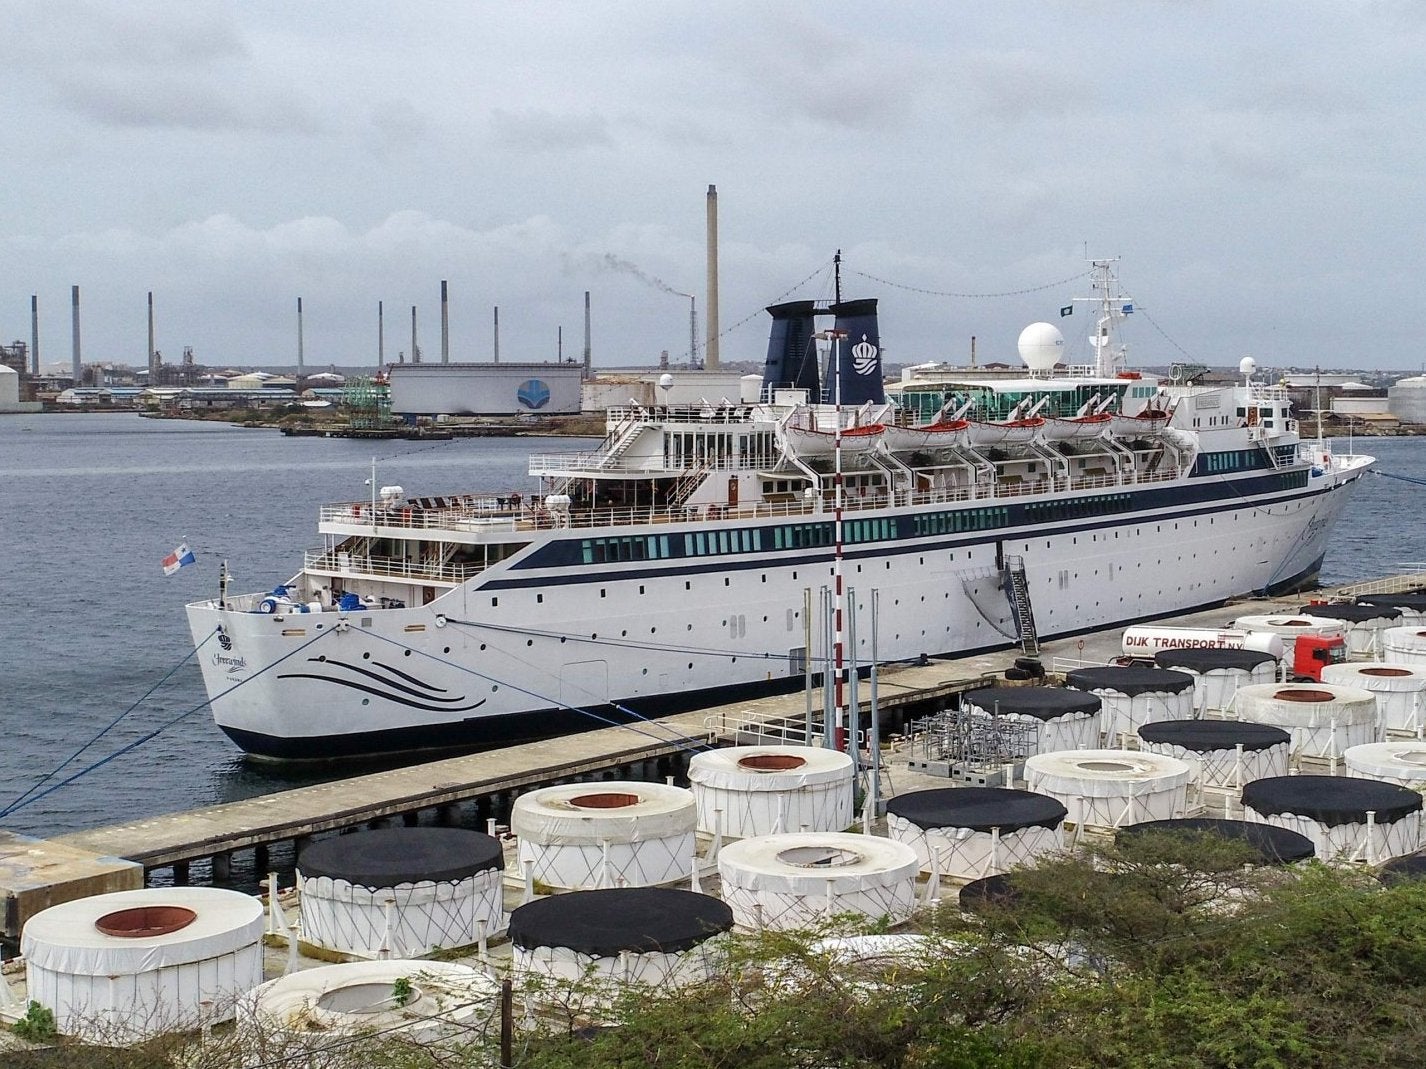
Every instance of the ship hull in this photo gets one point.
(536, 648)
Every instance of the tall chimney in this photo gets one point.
(415, 353)
(588, 350)
(445, 326)
(35, 334)
(380, 335)
(497, 334)
(299, 336)
(74, 330)
(153, 364)
(710, 311)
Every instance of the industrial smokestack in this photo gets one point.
(588, 350)
(445, 326)
(710, 312)
(74, 329)
(380, 335)
(35, 334)
(415, 352)
(299, 336)
(153, 364)
(497, 334)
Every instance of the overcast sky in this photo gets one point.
(1256, 164)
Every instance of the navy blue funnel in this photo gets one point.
(859, 353)
(791, 355)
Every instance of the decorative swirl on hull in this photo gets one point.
(427, 698)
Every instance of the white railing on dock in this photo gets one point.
(1414, 579)
(750, 729)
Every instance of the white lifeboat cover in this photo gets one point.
(1262, 703)
(720, 769)
(1397, 762)
(1105, 773)
(64, 939)
(760, 863)
(657, 811)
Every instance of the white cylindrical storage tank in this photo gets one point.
(127, 966)
(1271, 845)
(1323, 719)
(401, 891)
(799, 880)
(1222, 753)
(659, 936)
(1404, 645)
(1400, 691)
(766, 790)
(1111, 788)
(1364, 624)
(1133, 697)
(969, 832)
(1063, 719)
(1412, 606)
(1217, 674)
(1402, 763)
(424, 1002)
(1349, 819)
(1290, 629)
(582, 836)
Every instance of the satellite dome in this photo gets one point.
(1247, 366)
(1041, 345)
(665, 381)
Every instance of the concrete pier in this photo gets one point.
(38, 873)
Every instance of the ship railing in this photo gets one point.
(720, 411)
(593, 462)
(354, 564)
(512, 515)
(1413, 578)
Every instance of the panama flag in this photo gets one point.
(177, 559)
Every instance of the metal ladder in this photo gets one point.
(1019, 589)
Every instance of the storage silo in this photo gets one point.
(1272, 845)
(658, 936)
(1406, 399)
(1348, 819)
(316, 1010)
(969, 832)
(1218, 673)
(1323, 719)
(1224, 754)
(1111, 788)
(742, 791)
(583, 836)
(1133, 697)
(401, 891)
(127, 966)
(798, 880)
(1400, 691)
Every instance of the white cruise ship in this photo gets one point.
(669, 568)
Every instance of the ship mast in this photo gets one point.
(1110, 357)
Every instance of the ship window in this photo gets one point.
(494, 602)
(539, 599)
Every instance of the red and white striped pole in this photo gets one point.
(839, 592)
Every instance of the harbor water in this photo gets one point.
(89, 625)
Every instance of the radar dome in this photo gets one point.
(665, 381)
(1247, 366)
(1041, 345)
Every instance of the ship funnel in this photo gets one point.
(791, 357)
(860, 349)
